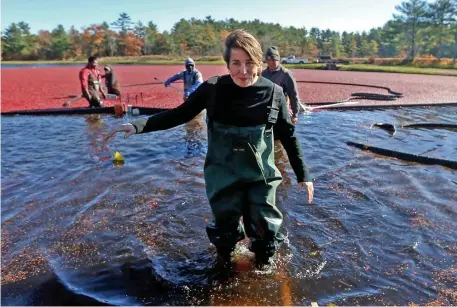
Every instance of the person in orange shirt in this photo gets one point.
(90, 78)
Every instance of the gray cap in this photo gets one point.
(272, 53)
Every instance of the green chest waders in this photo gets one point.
(241, 181)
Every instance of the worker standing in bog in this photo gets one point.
(90, 78)
(276, 73)
(191, 76)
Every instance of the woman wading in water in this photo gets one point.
(245, 111)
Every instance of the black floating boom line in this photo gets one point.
(399, 95)
(431, 126)
(405, 156)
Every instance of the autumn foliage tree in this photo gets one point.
(93, 38)
(418, 27)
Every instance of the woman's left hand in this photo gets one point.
(310, 189)
(128, 128)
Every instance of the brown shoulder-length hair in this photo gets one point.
(242, 39)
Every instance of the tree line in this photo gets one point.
(417, 28)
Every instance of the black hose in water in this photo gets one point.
(431, 126)
(148, 83)
(405, 156)
(397, 94)
(373, 96)
(369, 96)
(62, 111)
(366, 96)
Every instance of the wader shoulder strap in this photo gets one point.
(211, 101)
(213, 80)
(274, 108)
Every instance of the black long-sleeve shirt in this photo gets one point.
(284, 78)
(235, 106)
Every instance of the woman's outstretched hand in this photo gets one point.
(309, 188)
(128, 128)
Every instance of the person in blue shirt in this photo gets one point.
(191, 76)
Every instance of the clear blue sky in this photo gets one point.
(338, 15)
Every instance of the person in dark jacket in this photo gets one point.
(284, 78)
(111, 81)
(244, 112)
